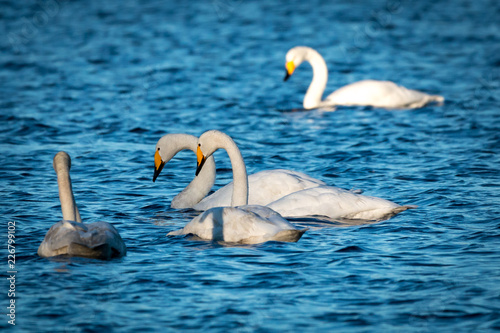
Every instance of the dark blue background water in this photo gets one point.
(105, 80)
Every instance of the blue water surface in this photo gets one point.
(104, 81)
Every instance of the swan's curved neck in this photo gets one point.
(199, 187)
(315, 91)
(240, 180)
(68, 205)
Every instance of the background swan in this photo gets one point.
(264, 186)
(72, 237)
(384, 94)
(248, 224)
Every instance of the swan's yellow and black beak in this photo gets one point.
(159, 164)
(290, 68)
(201, 159)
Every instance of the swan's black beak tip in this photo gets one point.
(157, 171)
(200, 165)
(159, 164)
(287, 76)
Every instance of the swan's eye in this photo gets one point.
(199, 144)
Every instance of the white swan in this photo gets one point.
(72, 237)
(264, 186)
(383, 94)
(247, 224)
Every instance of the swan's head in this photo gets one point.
(62, 161)
(168, 146)
(294, 57)
(208, 143)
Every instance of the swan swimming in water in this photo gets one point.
(264, 186)
(70, 236)
(242, 223)
(383, 94)
(315, 199)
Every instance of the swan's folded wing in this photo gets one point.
(334, 202)
(264, 187)
(385, 94)
(270, 185)
(268, 216)
(243, 224)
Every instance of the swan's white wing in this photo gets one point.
(380, 94)
(268, 215)
(334, 203)
(243, 224)
(264, 187)
(95, 240)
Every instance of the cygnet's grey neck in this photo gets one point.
(62, 165)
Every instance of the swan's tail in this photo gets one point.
(104, 251)
(436, 98)
(292, 235)
(176, 232)
(400, 209)
(396, 211)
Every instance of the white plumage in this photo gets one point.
(264, 187)
(242, 224)
(336, 203)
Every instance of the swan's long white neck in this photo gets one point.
(62, 164)
(315, 91)
(218, 140)
(199, 187)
